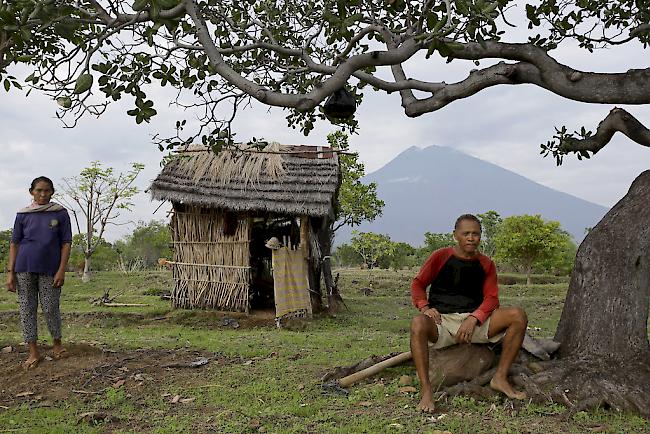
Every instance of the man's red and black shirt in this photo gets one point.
(457, 284)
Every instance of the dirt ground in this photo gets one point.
(90, 370)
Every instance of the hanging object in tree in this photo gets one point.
(340, 105)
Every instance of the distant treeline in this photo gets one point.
(139, 250)
(524, 244)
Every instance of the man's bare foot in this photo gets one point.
(502, 385)
(426, 404)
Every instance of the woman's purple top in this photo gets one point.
(40, 236)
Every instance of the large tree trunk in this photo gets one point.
(86, 276)
(603, 331)
(606, 310)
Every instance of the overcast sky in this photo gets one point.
(503, 125)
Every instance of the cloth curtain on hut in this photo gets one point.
(291, 284)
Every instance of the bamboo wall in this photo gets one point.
(210, 269)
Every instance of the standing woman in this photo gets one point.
(38, 255)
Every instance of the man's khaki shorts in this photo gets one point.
(451, 323)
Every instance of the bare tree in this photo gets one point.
(95, 197)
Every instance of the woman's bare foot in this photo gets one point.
(426, 404)
(59, 353)
(32, 362)
(502, 385)
(34, 357)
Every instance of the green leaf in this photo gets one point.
(24, 58)
(490, 8)
(139, 5)
(64, 101)
(83, 83)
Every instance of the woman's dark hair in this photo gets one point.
(470, 217)
(41, 179)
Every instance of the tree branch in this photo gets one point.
(618, 119)
(501, 73)
(631, 87)
(300, 102)
(175, 12)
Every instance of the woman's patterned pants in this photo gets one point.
(32, 287)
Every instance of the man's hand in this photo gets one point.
(466, 330)
(432, 313)
(11, 281)
(59, 279)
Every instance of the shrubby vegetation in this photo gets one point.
(526, 244)
(147, 243)
(5, 238)
(529, 243)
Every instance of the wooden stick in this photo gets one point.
(372, 370)
(86, 392)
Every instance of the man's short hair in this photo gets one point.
(470, 217)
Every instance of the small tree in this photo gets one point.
(490, 222)
(147, 243)
(433, 242)
(527, 239)
(371, 247)
(95, 197)
(404, 255)
(561, 262)
(104, 257)
(346, 256)
(357, 202)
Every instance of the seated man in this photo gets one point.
(463, 307)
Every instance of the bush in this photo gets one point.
(537, 279)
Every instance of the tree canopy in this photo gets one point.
(526, 240)
(148, 242)
(435, 241)
(219, 55)
(371, 246)
(357, 202)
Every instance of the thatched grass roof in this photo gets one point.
(293, 180)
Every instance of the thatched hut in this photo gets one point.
(226, 206)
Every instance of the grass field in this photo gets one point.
(126, 371)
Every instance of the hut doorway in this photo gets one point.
(284, 229)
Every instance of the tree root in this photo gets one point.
(578, 384)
